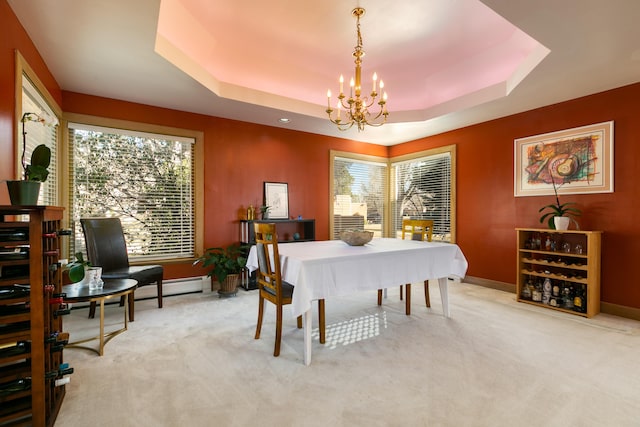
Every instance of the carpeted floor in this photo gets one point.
(496, 362)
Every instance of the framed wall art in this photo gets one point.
(276, 196)
(576, 161)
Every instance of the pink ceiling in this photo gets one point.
(434, 56)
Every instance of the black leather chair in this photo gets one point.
(107, 248)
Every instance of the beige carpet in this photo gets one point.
(494, 363)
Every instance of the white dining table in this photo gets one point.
(331, 268)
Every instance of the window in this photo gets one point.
(359, 191)
(422, 186)
(39, 126)
(375, 194)
(145, 179)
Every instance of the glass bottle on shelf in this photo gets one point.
(546, 291)
(580, 300)
(526, 290)
(567, 296)
(536, 295)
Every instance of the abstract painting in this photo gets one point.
(576, 161)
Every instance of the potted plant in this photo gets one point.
(27, 190)
(264, 211)
(225, 264)
(76, 269)
(559, 214)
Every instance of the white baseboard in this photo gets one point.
(175, 287)
(169, 287)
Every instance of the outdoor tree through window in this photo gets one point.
(146, 180)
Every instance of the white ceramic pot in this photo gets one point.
(561, 222)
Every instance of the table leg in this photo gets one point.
(127, 310)
(307, 336)
(443, 282)
(101, 326)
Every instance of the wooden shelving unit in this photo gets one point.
(31, 360)
(288, 229)
(559, 270)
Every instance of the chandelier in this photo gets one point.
(356, 106)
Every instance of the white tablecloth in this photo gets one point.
(322, 269)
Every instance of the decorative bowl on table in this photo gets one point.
(356, 237)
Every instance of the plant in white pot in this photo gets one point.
(559, 215)
(225, 264)
(27, 190)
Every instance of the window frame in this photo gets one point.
(387, 223)
(24, 70)
(364, 158)
(198, 165)
(448, 149)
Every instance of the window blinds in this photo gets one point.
(422, 190)
(146, 180)
(40, 133)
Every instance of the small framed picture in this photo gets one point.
(276, 197)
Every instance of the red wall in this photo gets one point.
(239, 157)
(487, 212)
(12, 37)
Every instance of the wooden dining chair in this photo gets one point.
(414, 229)
(271, 287)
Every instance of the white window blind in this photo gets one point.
(422, 190)
(41, 127)
(146, 180)
(359, 191)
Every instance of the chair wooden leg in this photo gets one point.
(426, 293)
(260, 313)
(276, 350)
(379, 296)
(408, 298)
(160, 293)
(400, 292)
(92, 310)
(321, 320)
(299, 322)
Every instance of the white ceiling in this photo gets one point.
(446, 63)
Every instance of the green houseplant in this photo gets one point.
(557, 209)
(264, 211)
(76, 268)
(27, 190)
(225, 264)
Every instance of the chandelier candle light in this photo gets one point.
(357, 107)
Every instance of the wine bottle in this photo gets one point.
(15, 386)
(55, 234)
(579, 300)
(7, 310)
(62, 311)
(21, 347)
